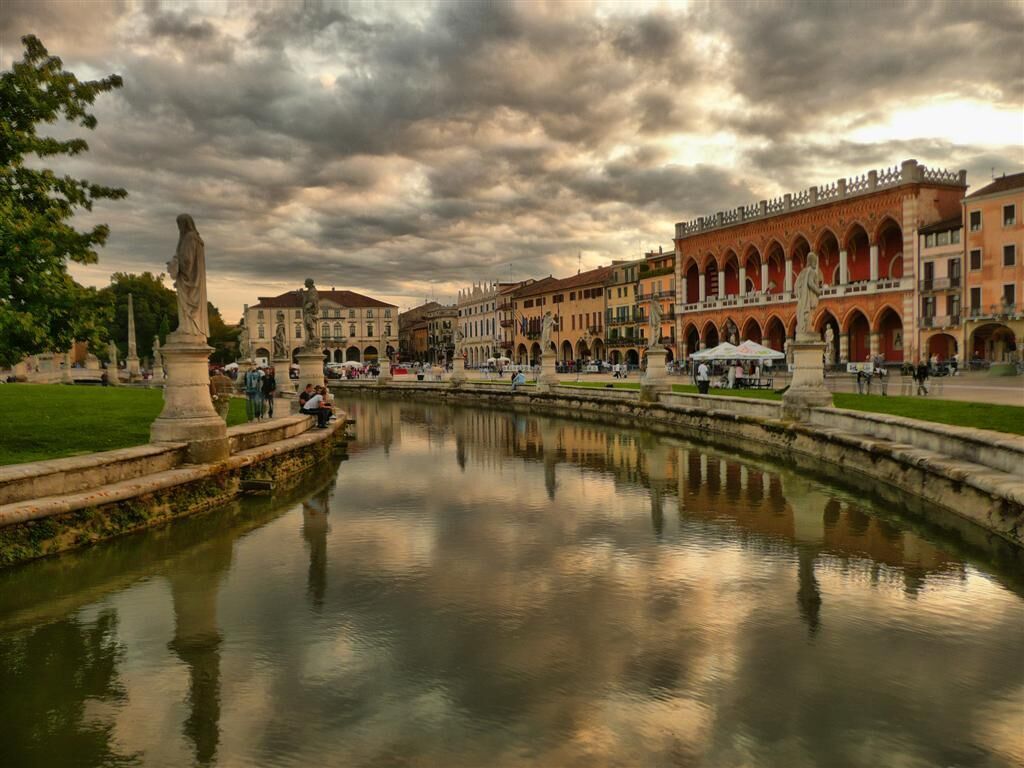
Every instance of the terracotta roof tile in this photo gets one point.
(347, 299)
(1002, 184)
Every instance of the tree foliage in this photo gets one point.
(41, 307)
(154, 304)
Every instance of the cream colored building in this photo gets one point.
(478, 321)
(352, 326)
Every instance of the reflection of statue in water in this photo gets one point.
(654, 326)
(311, 314)
(195, 581)
(280, 339)
(808, 596)
(314, 530)
(808, 290)
(547, 325)
(188, 271)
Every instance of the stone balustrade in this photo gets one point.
(909, 172)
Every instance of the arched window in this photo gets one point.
(337, 330)
(325, 331)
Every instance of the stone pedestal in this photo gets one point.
(287, 398)
(158, 374)
(384, 377)
(548, 373)
(807, 389)
(311, 368)
(655, 379)
(458, 376)
(131, 364)
(188, 415)
(66, 375)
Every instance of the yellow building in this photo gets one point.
(578, 306)
(658, 284)
(622, 317)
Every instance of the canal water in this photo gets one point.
(480, 588)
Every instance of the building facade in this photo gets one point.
(577, 304)
(657, 284)
(352, 326)
(994, 274)
(441, 324)
(479, 323)
(940, 287)
(622, 315)
(412, 333)
(735, 270)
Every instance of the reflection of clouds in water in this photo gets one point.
(463, 617)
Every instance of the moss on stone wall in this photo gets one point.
(38, 538)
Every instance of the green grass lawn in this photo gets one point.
(960, 413)
(48, 421)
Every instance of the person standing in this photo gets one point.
(269, 388)
(921, 376)
(703, 378)
(253, 384)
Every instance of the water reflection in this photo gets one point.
(479, 587)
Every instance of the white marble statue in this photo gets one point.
(112, 354)
(188, 271)
(830, 343)
(311, 314)
(654, 326)
(158, 359)
(808, 290)
(280, 339)
(547, 325)
(459, 336)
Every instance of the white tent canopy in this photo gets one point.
(747, 350)
(724, 351)
(352, 364)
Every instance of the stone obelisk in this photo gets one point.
(188, 415)
(132, 361)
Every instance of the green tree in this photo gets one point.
(154, 303)
(223, 338)
(41, 307)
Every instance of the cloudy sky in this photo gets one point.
(404, 149)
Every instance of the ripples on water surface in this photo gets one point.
(475, 588)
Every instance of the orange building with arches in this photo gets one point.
(735, 270)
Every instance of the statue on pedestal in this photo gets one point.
(547, 325)
(654, 325)
(188, 271)
(311, 314)
(158, 360)
(280, 339)
(112, 354)
(808, 290)
(829, 345)
(459, 336)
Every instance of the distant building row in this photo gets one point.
(913, 268)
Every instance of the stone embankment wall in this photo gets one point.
(976, 476)
(53, 506)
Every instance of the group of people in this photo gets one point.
(259, 385)
(317, 401)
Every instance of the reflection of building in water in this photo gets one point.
(195, 582)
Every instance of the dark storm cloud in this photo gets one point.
(399, 145)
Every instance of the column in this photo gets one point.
(874, 343)
(874, 262)
(683, 292)
(764, 277)
(721, 285)
(702, 288)
(788, 287)
(844, 348)
(844, 268)
(743, 281)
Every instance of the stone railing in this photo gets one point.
(910, 171)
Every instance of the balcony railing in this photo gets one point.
(752, 299)
(996, 311)
(940, 283)
(624, 341)
(939, 321)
